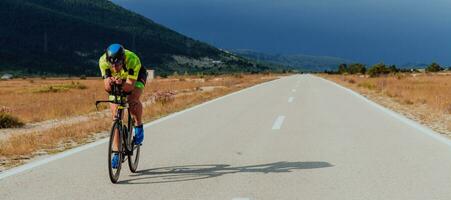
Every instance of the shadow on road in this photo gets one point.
(196, 172)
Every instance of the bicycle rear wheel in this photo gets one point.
(114, 173)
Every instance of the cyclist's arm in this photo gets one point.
(106, 73)
(107, 84)
(134, 65)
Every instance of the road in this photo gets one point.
(298, 137)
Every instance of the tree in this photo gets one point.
(357, 68)
(393, 69)
(342, 68)
(434, 67)
(378, 69)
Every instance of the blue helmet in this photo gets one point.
(115, 53)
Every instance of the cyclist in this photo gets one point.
(121, 66)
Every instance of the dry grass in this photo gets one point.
(27, 144)
(431, 90)
(36, 100)
(19, 148)
(425, 97)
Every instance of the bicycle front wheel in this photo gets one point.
(133, 157)
(115, 139)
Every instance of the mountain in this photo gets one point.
(68, 37)
(298, 62)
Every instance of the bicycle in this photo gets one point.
(124, 131)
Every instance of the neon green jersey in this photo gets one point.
(129, 71)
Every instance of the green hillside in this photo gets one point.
(68, 37)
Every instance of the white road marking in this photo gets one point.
(44, 161)
(278, 123)
(396, 115)
(290, 99)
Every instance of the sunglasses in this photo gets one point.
(115, 61)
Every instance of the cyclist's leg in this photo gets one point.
(136, 110)
(113, 108)
(136, 107)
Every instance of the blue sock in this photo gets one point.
(139, 134)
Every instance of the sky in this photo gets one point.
(368, 31)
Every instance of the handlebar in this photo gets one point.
(117, 96)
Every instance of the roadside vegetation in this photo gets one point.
(422, 96)
(382, 69)
(162, 97)
(9, 121)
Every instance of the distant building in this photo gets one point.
(7, 76)
(216, 62)
(150, 74)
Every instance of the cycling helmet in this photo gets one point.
(115, 54)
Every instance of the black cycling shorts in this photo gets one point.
(142, 76)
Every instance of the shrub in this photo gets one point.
(356, 68)
(9, 121)
(378, 69)
(343, 68)
(393, 69)
(434, 67)
(353, 68)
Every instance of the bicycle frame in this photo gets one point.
(122, 132)
(120, 99)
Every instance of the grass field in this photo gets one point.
(35, 100)
(28, 98)
(424, 97)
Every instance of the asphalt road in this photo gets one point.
(299, 137)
